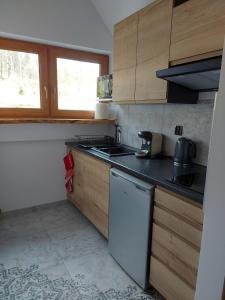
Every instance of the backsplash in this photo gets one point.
(195, 118)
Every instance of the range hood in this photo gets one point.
(202, 75)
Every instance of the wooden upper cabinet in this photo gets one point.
(198, 28)
(125, 43)
(124, 59)
(154, 29)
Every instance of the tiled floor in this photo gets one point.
(62, 244)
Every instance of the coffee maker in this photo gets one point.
(151, 144)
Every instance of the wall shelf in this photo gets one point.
(56, 121)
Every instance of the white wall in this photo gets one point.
(31, 169)
(212, 257)
(31, 162)
(113, 11)
(71, 22)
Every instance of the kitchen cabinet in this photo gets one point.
(91, 189)
(124, 59)
(198, 28)
(154, 28)
(163, 34)
(138, 52)
(176, 241)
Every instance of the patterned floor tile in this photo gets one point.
(52, 252)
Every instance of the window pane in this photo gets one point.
(77, 84)
(19, 80)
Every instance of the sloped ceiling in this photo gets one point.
(113, 11)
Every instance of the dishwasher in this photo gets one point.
(130, 219)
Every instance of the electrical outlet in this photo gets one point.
(178, 130)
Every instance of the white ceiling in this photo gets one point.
(113, 11)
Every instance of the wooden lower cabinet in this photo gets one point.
(175, 248)
(168, 283)
(91, 189)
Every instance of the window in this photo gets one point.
(74, 81)
(45, 81)
(23, 79)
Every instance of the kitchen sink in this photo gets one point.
(115, 150)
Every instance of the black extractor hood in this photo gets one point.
(203, 75)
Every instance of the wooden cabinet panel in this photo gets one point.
(154, 28)
(125, 43)
(184, 208)
(176, 265)
(148, 87)
(198, 27)
(124, 85)
(178, 226)
(95, 215)
(91, 189)
(176, 240)
(176, 246)
(168, 283)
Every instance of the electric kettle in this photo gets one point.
(185, 151)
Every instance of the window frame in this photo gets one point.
(58, 52)
(41, 50)
(48, 79)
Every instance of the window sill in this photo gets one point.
(56, 121)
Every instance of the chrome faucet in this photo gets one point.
(118, 134)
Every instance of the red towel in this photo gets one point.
(69, 164)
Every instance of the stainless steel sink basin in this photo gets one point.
(116, 150)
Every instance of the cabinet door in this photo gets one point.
(154, 29)
(91, 189)
(198, 27)
(124, 59)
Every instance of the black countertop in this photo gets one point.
(155, 171)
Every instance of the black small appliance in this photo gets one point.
(146, 137)
(185, 151)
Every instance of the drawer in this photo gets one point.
(182, 206)
(176, 265)
(182, 250)
(171, 286)
(179, 226)
(90, 167)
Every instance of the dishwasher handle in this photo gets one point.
(139, 187)
(115, 175)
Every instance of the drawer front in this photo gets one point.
(183, 251)
(178, 226)
(176, 265)
(85, 165)
(184, 208)
(168, 283)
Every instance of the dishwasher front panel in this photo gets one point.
(129, 224)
